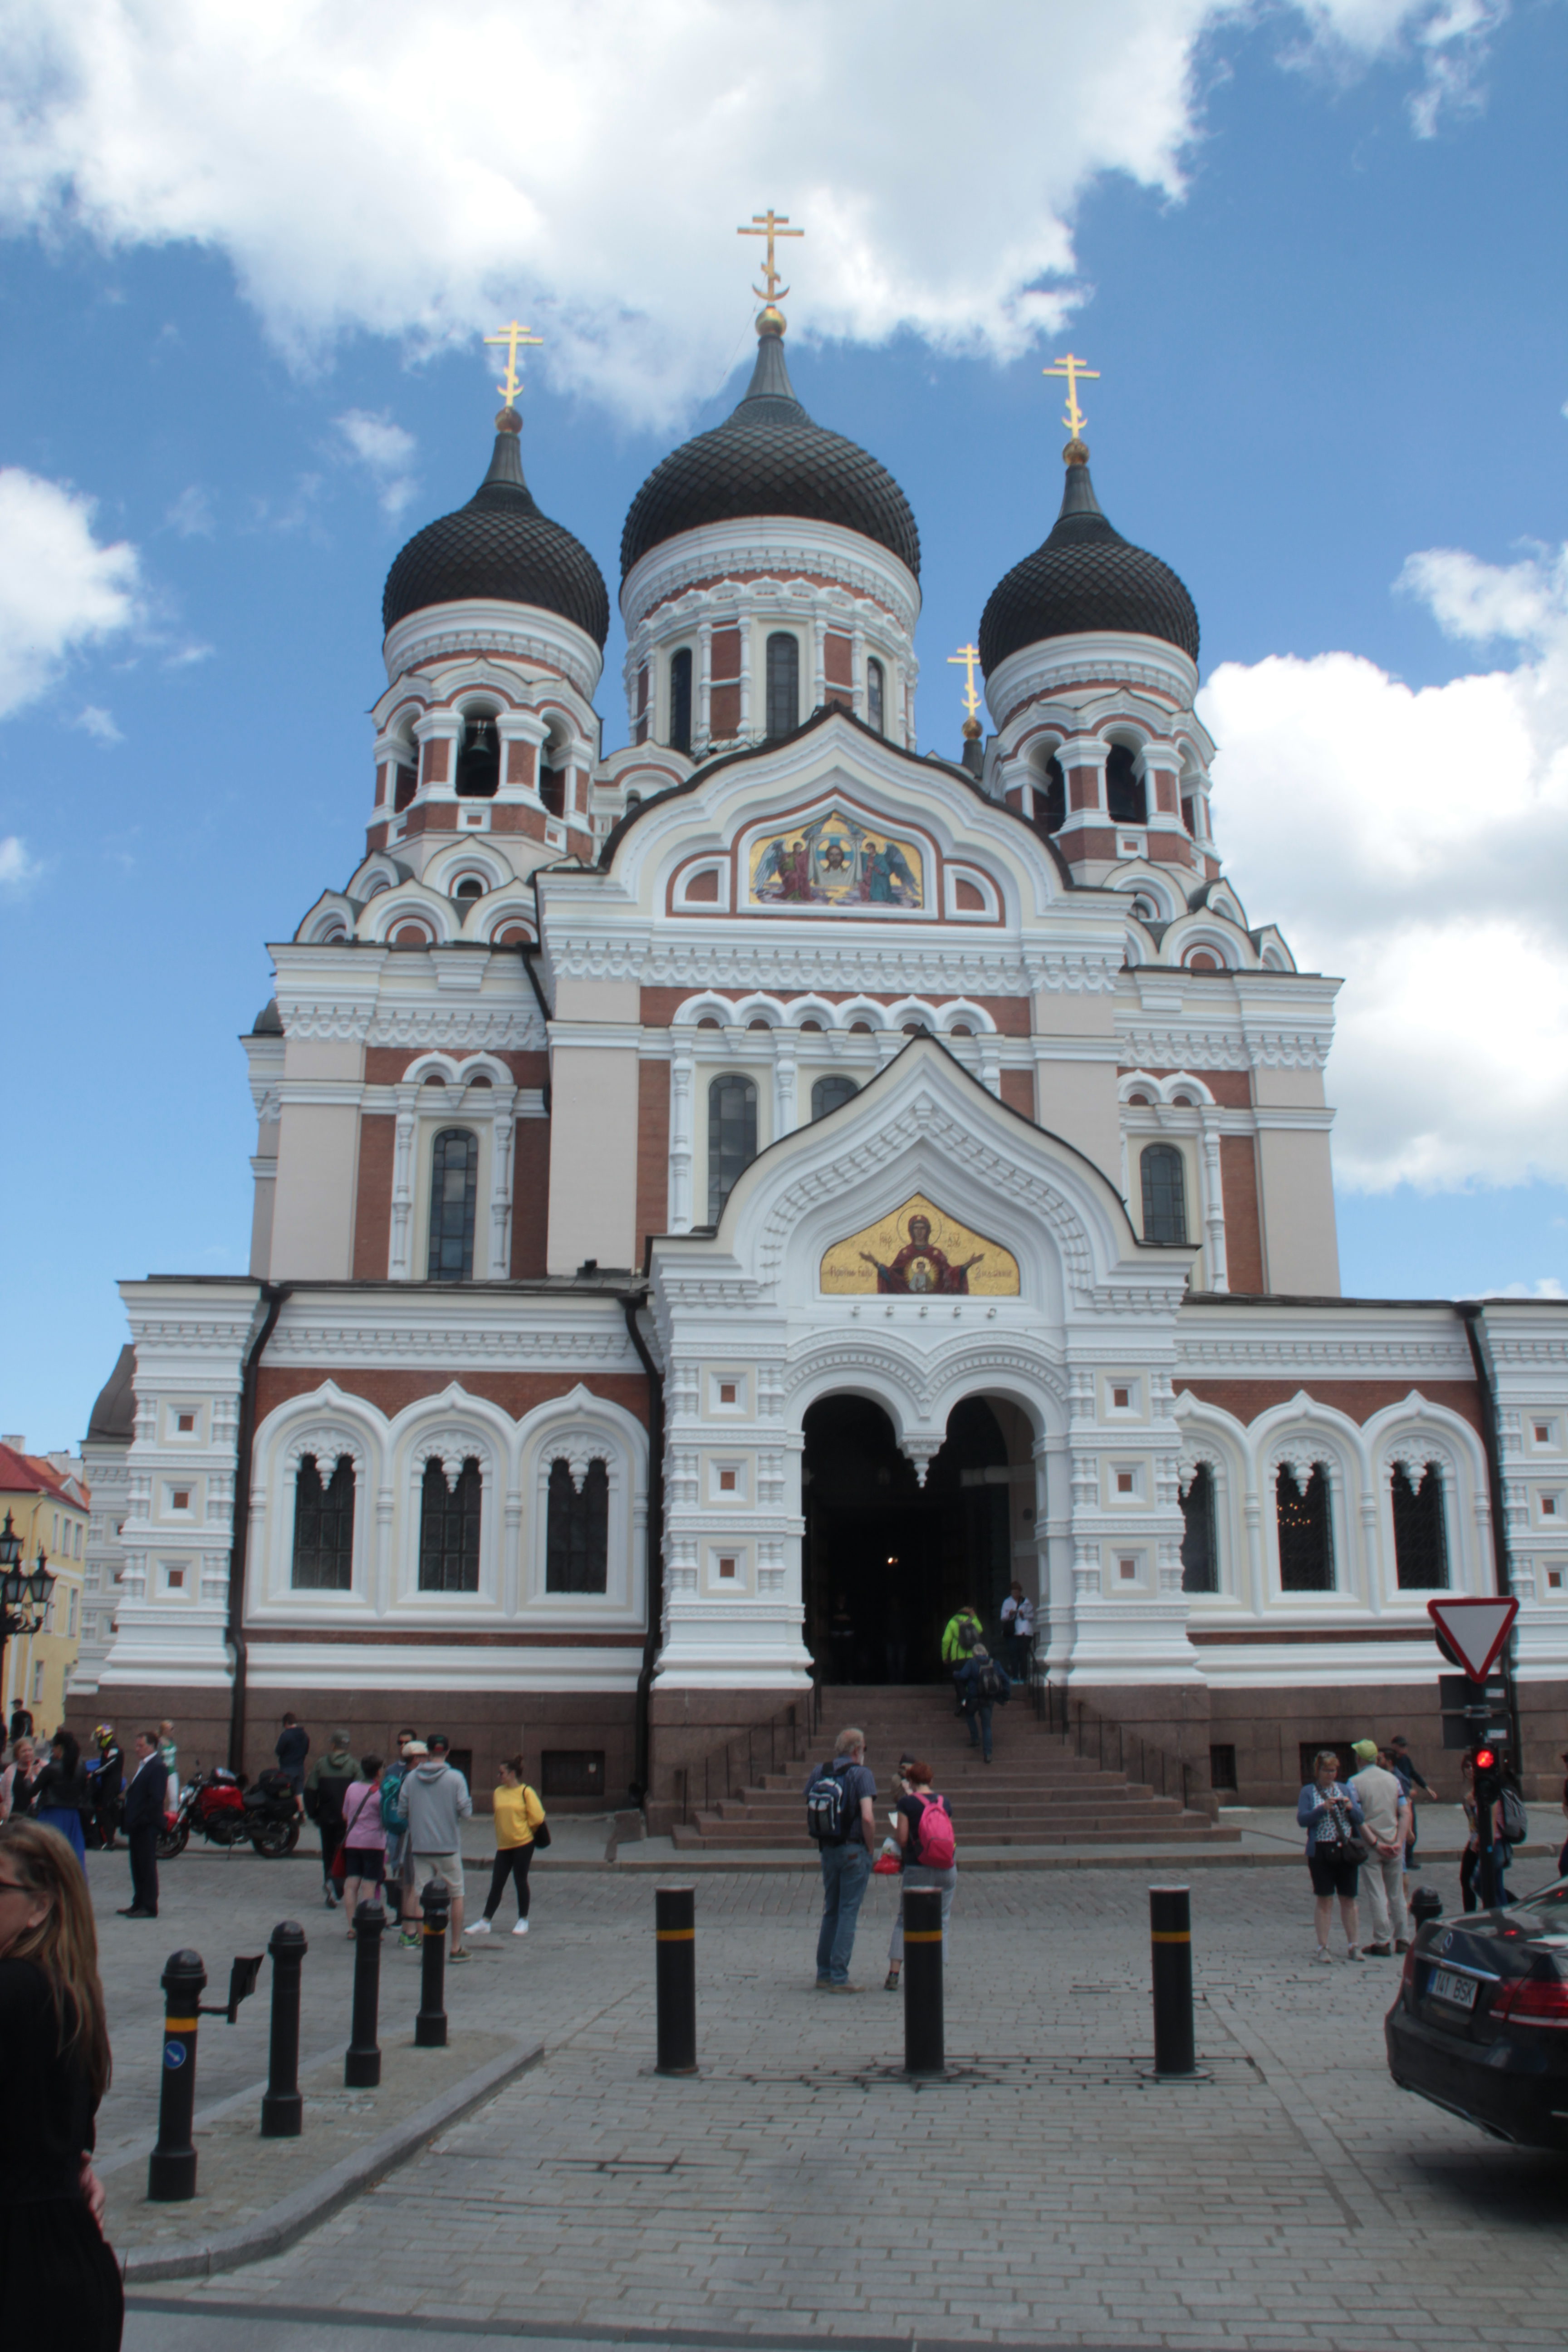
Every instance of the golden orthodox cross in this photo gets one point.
(769, 224)
(965, 659)
(1075, 420)
(512, 334)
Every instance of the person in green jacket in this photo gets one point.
(959, 1637)
(326, 1790)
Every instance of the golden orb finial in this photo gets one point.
(508, 420)
(771, 321)
(972, 730)
(1075, 453)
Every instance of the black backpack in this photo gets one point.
(992, 1684)
(829, 1809)
(968, 1634)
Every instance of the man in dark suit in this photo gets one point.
(144, 1817)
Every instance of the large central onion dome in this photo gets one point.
(770, 459)
(499, 548)
(1085, 577)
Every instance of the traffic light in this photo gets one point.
(1487, 1782)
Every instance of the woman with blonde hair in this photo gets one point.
(59, 2283)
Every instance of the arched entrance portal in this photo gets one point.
(886, 1560)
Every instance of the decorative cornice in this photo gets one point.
(303, 1340)
(1090, 662)
(513, 632)
(774, 547)
(516, 1028)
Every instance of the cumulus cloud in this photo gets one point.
(1415, 842)
(380, 164)
(60, 588)
(386, 453)
(17, 869)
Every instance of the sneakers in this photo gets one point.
(521, 1928)
(478, 1926)
(846, 1988)
(1378, 1952)
(458, 1953)
(890, 1981)
(408, 1940)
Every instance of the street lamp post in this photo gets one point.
(24, 1592)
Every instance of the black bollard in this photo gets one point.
(675, 1978)
(1171, 1938)
(1425, 1905)
(924, 2050)
(172, 2169)
(282, 2108)
(430, 2024)
(362, 2060)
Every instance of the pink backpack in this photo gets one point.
(938, 1845)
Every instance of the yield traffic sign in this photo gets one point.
(1473, 1631)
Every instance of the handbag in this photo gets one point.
(1353, 1849)
(542, 1828)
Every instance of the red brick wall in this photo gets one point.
(838, 654)
(519, 763)
(373, 1199)
(389, 1391)
(1018, 1091)
(653, 1152)
(1233, 1089)
(724, 713)
(530, 1197)
(1357, 1400)
(1242, 1230)
(435, 760)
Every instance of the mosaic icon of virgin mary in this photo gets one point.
(921, 1266)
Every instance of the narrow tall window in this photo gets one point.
(324, 1526)
(449, 1530)
(732, 1138)
(1420, 1538)
(577, 1537)
(1200, 1559)
(454, 1182)
(784, 683)
(1051, 798)
(1123, 788)
(1306, 1533)
(1164, 1194)
(876, 697)
(479, 757)
(680, 699)
(828, 1093)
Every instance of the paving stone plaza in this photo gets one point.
(798, 2188)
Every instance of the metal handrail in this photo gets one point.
(722, 1763)
(1141, 1760)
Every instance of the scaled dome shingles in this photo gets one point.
(1085, 577)
(501, 549)
(770, 459)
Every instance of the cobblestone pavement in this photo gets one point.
(1049, 2191)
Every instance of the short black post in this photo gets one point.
(675, 1978)
(1170, 1939)
(172, 2169)
(1425, 1905)
(924, 2050)
(362, 2060)
(282, 2108)
(430, 2024)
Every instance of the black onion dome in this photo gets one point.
(1086, 576)
(770, 459)
(499, 547)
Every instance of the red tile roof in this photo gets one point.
(23, 1474)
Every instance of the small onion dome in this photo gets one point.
(1085, 577)
(499, 547)
(770, 459)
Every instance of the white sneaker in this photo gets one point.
(521, 1928)
(478, 1926)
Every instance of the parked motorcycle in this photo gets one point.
(215, 1807)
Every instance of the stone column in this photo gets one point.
(680, 1082)
(399, 1253)
(502, 1132)
(704, 684)
(1213, 1201)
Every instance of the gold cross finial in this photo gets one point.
(1074, 418)
(966, 659)
(512, 334)
(769, 224)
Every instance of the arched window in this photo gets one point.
(1123, 788)
(324, 1526)
(1200, 1559)
(454, 1181)
(479, 757)
(406, 781)
(784, 683)
(576, 1546)
(1051, 797)
(449, 1530)
(1164, 1194)
(828, 1093)
(470, 886)
(680, 699)
(876, 697)
(732, 1138)
(1306, 1532)
(1420, 1538)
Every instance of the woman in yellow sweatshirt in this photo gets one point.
(519, 1814)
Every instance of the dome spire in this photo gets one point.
(771, 226)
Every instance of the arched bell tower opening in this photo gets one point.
(888, 1560)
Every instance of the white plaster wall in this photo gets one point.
(593, 1157)
(1300, 1243)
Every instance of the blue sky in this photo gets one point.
(1325, 293)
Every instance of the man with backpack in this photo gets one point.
(839, 1802)
(982, 1685)
(959, 1637)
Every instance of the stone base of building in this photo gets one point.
(703, 1744)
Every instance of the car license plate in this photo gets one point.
(1445, 1986)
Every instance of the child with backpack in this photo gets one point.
(982, 1684)
(928, 1855)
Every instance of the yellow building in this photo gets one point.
(48, 1501)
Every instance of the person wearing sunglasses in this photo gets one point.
(59, 2283)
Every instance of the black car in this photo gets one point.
(1480, 2025)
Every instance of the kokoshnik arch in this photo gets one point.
(763, 1181)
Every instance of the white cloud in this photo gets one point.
(97, 723)
(1415, 843)
(417, 171)
(1545, 1286)
(385, 451)
(192, 514)
(60, 588)
(18, 871)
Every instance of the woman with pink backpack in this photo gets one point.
(927, 1854)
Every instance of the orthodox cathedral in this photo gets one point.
(720, 1205)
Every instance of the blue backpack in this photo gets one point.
(393, 1813)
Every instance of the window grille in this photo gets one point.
(1164, 1194)
(680, 699)
(876, 696)
(828, 1093)
(784, 683)
(732, 1138)
(324, 1526)
(449, 1530)
(1306, 1532)
(1200, 1559)
(1420, 1538)
(454, 1182)
(578, 1536)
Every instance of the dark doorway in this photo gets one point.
(886, 1560)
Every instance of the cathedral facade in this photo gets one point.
(721, 1205)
